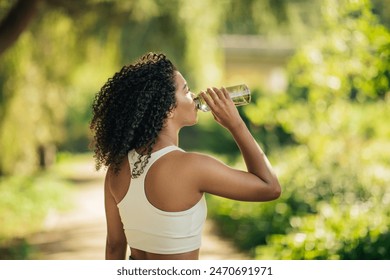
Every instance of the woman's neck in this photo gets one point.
(166, 138)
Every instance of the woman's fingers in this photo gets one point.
(219, 93)
(213, 94)
(216, 98)
(209, 100)
(225, 92)
(212, 98)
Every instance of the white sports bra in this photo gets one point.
(152, 230)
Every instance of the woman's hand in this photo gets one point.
(222, 107)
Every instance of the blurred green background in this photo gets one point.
(319, 72)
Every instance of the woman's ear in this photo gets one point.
(171, 113)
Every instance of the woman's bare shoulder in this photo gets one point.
(118, 182)
(122, 173)
(199, 161)
(194, 155)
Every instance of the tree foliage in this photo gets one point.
(331, 66)
(334, 170)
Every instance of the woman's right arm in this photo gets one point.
(116, 244)
(259, 183)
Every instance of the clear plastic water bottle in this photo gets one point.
(240, 94)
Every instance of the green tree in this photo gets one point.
(34, 109)
(335, 197)
(333, 65)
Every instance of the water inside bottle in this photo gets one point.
(239, 94)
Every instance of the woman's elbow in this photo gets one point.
(272, 191)
(276, 188)
(277, 191)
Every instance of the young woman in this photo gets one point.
(154, 195)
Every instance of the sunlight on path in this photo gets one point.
(80, 233)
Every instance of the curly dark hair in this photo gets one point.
(130, 110)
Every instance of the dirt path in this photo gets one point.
(80, 234)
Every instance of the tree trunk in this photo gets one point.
(16, 22)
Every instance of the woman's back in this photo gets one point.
(162, 215)
(160, 230)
